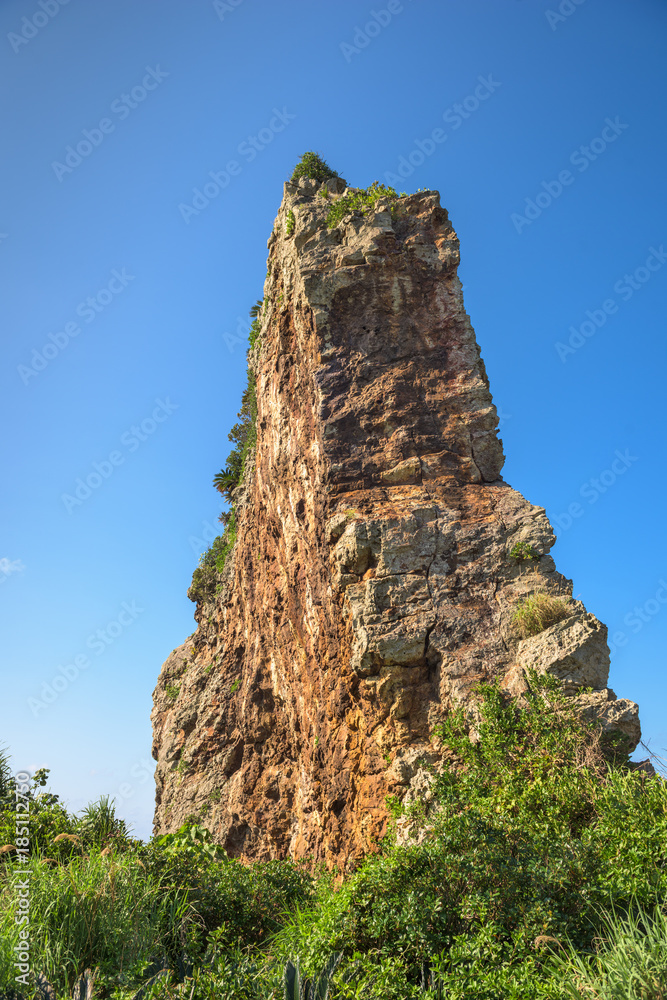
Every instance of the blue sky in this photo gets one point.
(121, 308)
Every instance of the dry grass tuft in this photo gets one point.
(538, 612)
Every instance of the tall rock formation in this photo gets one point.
(371, 584)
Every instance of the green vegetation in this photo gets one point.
(631, 963)
(539, 611)
(171, 691)
(523, 552)
(312, 165)
(243, 436)
(540, 874)
(290, 223)
(359, 200)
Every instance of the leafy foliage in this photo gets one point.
(243, 436)
(312, 165)
(297, 988)
(535, 829)
(359, 200)
(539, 873)
(524, 552)
(100, 826)
(290, 223)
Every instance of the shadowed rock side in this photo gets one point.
(371, 585)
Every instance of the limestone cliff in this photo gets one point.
(371, 585)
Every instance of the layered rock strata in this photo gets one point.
(371, 586)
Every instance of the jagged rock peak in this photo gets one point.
(371, 585)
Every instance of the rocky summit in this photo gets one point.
(376, 559)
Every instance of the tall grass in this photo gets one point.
(631, 963)
(95, 911)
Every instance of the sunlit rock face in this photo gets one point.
(371, 586)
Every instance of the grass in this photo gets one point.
(538, 612)
(630, 960)
(540, 873)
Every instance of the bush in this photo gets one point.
(243, 436)
(524, 552)
(312, 165)
(538, 612)
(359, 200)
(206, 577)
(533, 831)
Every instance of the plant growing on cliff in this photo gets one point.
(524, 552)
(532, 832)
(243, 436)
(290, 223)
(172, 691)
(312, 165)
(359, 200)
(538, 612)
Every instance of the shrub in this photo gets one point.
(290, 223)
(48, 821)
(359, 200)
(243, 435)
(532, 833)
(312, 165)
(523, 552)
(206, 576)
(538, 612)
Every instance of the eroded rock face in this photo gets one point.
(371, 585)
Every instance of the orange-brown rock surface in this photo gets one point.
(371, 584)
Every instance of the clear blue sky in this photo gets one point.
(169, 93)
